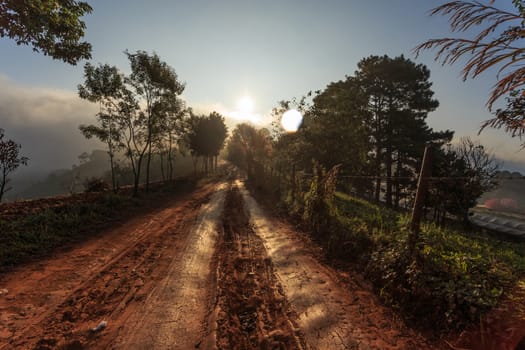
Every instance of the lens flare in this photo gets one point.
(291, 120)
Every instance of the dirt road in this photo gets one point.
(331, 315)
(252, 310)
(210, 271)
(174, 315)
(57, 302)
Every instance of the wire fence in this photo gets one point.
(445, 197)
(412, 178)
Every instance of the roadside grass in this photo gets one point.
(39, 233)
(451, 280)
(35, 234)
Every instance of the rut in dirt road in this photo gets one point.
(252, 310)
(331, 314)
(175, 314)
(108, 278)
(209, 271)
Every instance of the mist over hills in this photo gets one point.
(31, 185)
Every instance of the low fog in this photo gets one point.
(45, 122)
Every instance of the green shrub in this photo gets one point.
(319, 209)
(95, 185)
(450, 281)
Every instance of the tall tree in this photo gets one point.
(51, 26)
(335, 129)
(496, 44)
(249, 148)
(172, 127)
(134, 108)
(10, 160)
(206, 137)
(104, 84)
(153, 83)
(399, 97)
(217, 136)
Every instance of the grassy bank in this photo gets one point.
(38, 232)
(452, 278)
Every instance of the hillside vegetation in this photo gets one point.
(448, 281)
(453, 278)
(34, 228)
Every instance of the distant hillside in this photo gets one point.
(64, 181)
(94, 165)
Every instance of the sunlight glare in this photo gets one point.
(245, 110)
(246, 104)
(291, 120)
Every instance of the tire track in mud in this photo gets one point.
(175, 313)
(330, 315)
(114, 289)
(252, 311)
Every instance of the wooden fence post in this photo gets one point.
(419, 202)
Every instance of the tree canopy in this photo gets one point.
(104, 84)
(496, 43)
(467, 170)
(53, 27)
(138, 112)
(206, 137)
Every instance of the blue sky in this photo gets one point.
(270, 50)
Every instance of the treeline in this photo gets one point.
(91, 173)
(365, 136)
(143, 117)
(373, 124)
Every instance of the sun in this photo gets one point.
(245, 104)
(245, 110)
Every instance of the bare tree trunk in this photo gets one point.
(195, 164)
(388, 164)
(148, 163)
(137, 177)
(170, 165)
(2, 186)
(378, 174)
(398, 182)
(170, 157)
(113, 177)
(111, 163)
(162, 166)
